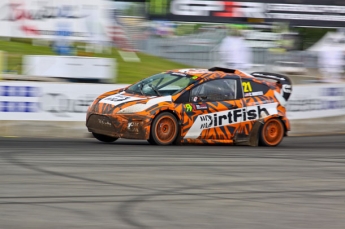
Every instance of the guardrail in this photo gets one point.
(56, 109)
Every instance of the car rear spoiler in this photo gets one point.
(285, 81)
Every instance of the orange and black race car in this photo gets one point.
(216, 105)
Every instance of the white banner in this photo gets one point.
(69, 101)
(69, 67)
(316, 101)
(47, 19)
(49, 101)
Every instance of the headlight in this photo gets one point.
(133, 109)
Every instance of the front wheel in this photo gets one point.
(271, 133)
(104, 138)
(151, 141)
(164, 129)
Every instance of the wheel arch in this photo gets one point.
(168, 111)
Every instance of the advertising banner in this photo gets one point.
(307, 13)
(74, 67)
(316, 101)
(48, 101)
(46, 19)
(69, 101)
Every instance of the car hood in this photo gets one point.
(123, 100)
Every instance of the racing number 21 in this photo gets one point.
(247, 87)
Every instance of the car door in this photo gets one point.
(214, 111)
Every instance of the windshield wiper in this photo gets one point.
(155, 89)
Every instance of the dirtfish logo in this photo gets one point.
(233, 116)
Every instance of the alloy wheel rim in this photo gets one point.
(273, 132)
(165, 129)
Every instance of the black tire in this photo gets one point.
(164, 129)
(151, 141)
(104, 138)
(271, 132)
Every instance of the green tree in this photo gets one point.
(310, 36)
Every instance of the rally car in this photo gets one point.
(211, 106)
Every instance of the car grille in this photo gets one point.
(100, 123)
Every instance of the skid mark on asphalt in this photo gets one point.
(13, 160)
(183, 192)
(127, 208)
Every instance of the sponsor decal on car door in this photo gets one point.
(208, 115)
(232, 117)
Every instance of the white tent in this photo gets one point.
(330, 39)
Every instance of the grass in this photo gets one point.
(127, 72)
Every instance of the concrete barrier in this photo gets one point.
(60, 129)
(318, 126)
(43, 129)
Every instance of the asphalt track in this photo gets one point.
(81, 183)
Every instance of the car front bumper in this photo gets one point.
(120, 126)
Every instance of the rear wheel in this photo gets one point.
(104, 138)
(164, 129)
(271, 133)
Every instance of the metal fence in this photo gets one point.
(201, 50)
(195, 50)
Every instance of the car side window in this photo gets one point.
(251, 88)
(215, 90)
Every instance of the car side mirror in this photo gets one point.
(200, 98)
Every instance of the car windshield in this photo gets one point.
(161, 84)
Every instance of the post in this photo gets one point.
(2, 61)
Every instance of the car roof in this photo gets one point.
(215, 72)
(219, 72)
